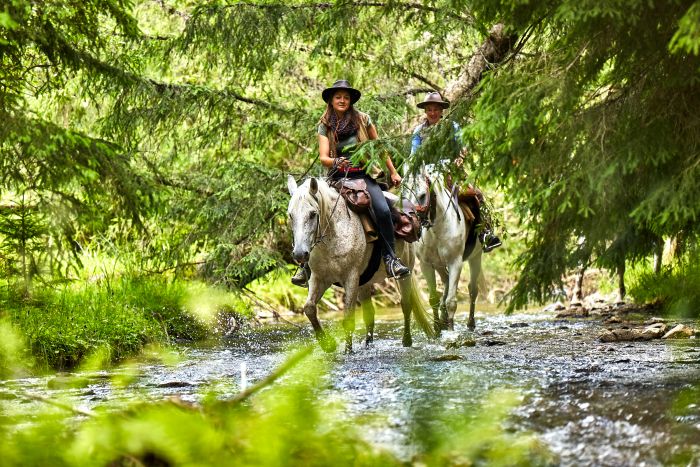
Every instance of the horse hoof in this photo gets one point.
(407, 341)
(471, 325)
(369, 340)
(450, 325)
(348, 350)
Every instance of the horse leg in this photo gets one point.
(326, 342)
(622, 291)
(349, 311)
(365, 296)
(406, 286)
(445, 278)
(474, 273)
(434, 298)
(454, 270)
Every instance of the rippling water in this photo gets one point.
(590, 403)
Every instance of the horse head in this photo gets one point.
(304, 213)
(421, 192)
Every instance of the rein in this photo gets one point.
(320, 236)
(426, 212)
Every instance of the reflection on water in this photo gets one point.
(590, 403)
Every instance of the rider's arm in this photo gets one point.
(393, 174)
(324, 151)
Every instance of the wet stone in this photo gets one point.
(655, 331)
(519, 325)
(558, 306)
(492, 342)
(573, 312)
(175, 384)
(461, 340)
(446, 358)
(679, 332)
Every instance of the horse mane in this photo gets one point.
(437, 179)
(326, 196)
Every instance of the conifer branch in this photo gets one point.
(420, 78)
(327, 6)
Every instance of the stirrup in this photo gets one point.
(396, 269)
(490, 242)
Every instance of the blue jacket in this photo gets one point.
(418, 137)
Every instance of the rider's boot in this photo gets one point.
(394, 267)
(301, 278)
(489, 241)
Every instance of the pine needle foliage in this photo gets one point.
(593, 132)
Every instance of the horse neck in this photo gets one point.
(445, 211)
(330, 205)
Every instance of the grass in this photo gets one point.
(63, 326)
(676, 287)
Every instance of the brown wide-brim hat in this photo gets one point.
(433, 98)
(341, 84)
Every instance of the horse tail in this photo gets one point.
(421, 310)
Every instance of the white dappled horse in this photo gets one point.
(330, 238)
(441, 248)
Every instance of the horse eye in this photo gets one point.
(312, 215)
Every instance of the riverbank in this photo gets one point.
(110, 320)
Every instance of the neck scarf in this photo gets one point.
(343, 128)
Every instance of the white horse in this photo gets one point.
(331, 239)
(443, 246)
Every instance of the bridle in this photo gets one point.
(426, 212)
(321, 234)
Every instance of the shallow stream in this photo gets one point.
(590, 403)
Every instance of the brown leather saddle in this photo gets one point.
(403, 213)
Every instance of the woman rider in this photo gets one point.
(341, 127)
(434, 106)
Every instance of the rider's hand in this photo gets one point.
(341, 163)
(396, 179)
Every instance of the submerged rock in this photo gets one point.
(63, 381)
(462, 340)
(446, 358)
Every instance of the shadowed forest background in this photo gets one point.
(145, 145)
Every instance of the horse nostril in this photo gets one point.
(300, 256)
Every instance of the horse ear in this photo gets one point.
(291, 184)
(314, 186)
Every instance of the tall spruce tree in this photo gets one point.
(593, 131)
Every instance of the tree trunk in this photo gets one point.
(494, 49)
